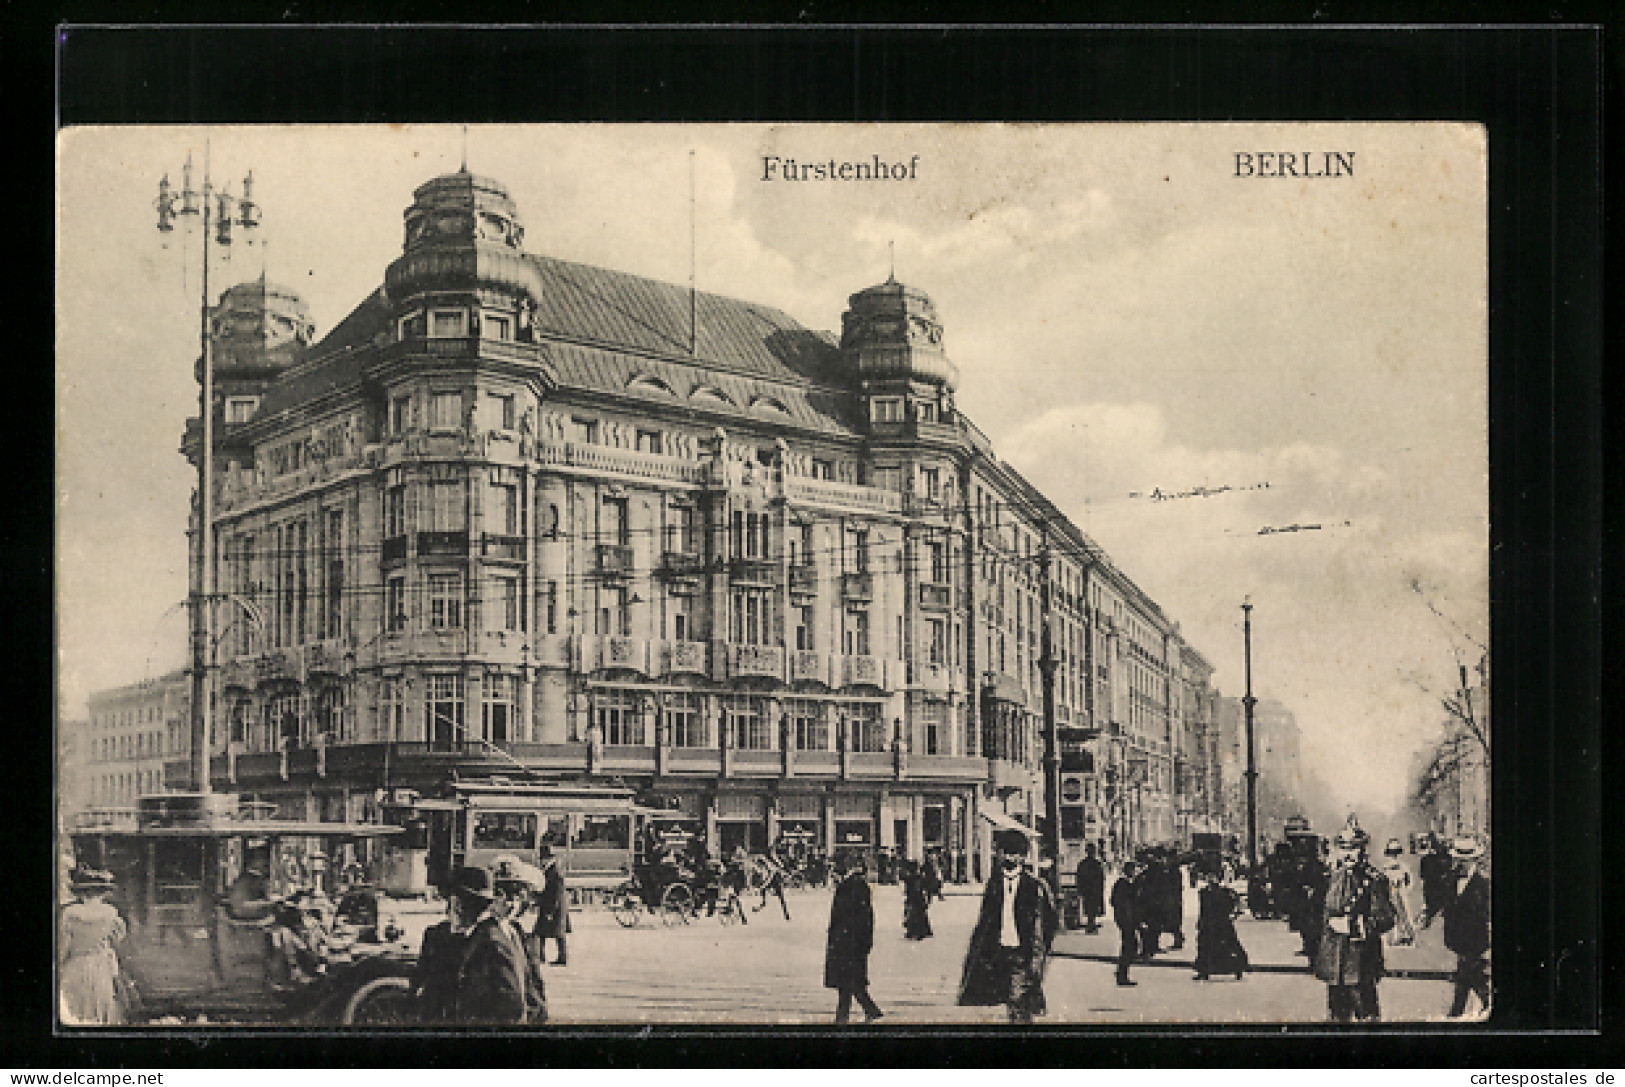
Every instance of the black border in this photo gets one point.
(1537, 88)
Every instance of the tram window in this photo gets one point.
(602, 832)
(556, 830)
(505, 830)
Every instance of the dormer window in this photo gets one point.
(497, 326)
(927, 411)
(447, 323)
(410, 327)
(240, 409)
(886, 410)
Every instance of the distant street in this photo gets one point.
(771, 971)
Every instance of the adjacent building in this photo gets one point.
(520, 517)
(133, 735)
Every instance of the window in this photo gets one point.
(282, 722)
(750, 535)
(585, 431)
(612, 522)
(446, 411)
(501, 407)
(649, 441)
(684, 725)
(937, 561)
(748, 727)
(395, 603)
(937, 641)
(506, 613)
(443, 710)
(506, 830)
(496, 327)
(502, 516)
(498, 721)
(333, 625)
(822, 469)
(856, 551)
(409, 326)
(391, 710)
(804, 627)
(447, 322)
(886, 410)
(400, 414)
(614, 612)
(807, 724)
(619, 718)
(602, 832)
(927, 411)
(934, 722)
(240, 409)
(866, 726)
(931, 483)
(855, 636)
(680, 621)
(446, 601)
(552, 607)
(888, 479)
(751, 619)
(682, 535)
(800, 545)
(395, 511)
(447, 506)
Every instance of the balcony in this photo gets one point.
(693, 760)
(804, 579)
(811, 763)
(754, 763)
(958, 768)
(628, 653)
(442, 544)
(394, 550)
(803, 490)
(682, 566)
(685, 657)
(603, 459)
(627, 759)
(806, 665)
(763, 572)
(858, 587)
(871, 764)
(766, 661)
(614, 560)
(934, 677)
(862, 672)
(510, 548)
(936, 597)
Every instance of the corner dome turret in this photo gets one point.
(891, 331)
(462, 233)
(259, 326)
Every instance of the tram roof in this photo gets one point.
(252, 828)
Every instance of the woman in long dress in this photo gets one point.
(1218, 948)
(89, 964)
(916, 903)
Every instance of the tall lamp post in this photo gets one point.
(1248, 702)
(216, 207)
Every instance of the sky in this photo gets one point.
(1127, 316)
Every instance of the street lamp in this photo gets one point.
(220, 212)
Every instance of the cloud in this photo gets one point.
(1008, 234)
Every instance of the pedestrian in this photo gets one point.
(1399, 881)
(851, 936)
(1218, 948)
(1147, 911)
(1125, 904)
(773, 883)
(552, 905)
(1091, 889)
(1435, 867)
(931, 874)
(434, 975)
(1009, 947)
(86, 956)
(517, 904)
(1467, 926)
(1172, 898)
(1357, 912)
(491, 973)
(916, 902)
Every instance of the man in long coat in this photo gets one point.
(552, 905)
(1357, 913)
(1091, 888)
(1467, 926)
(1125, 904)
(851, 935)
(491, 978)
(1010, 944)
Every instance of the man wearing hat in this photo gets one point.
(851, 935)
(1467, 925)
(491, 978)
(1004, 963)
(1125, 906)
(1357, 912)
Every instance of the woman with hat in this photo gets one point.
(1399, 884)
(1358, 911)
(1218, 948)
(88, 964)
(851, 936)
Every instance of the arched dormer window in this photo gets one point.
(710, 394)
(770, 406)
(649, 384)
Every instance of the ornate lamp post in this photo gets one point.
(220, 212)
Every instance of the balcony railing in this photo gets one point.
(686, 657)
(498, 546)
(936, 596)
(861, 671)
(394, 549)
(755, 660)
(808, 665)
(827, 492)
(628, 462)
(684, 565)
(630, 653)
(804, 578)
(753, 572)
(443, 543)
(858, 586)
(614, 560)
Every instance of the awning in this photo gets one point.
(1004, 822)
